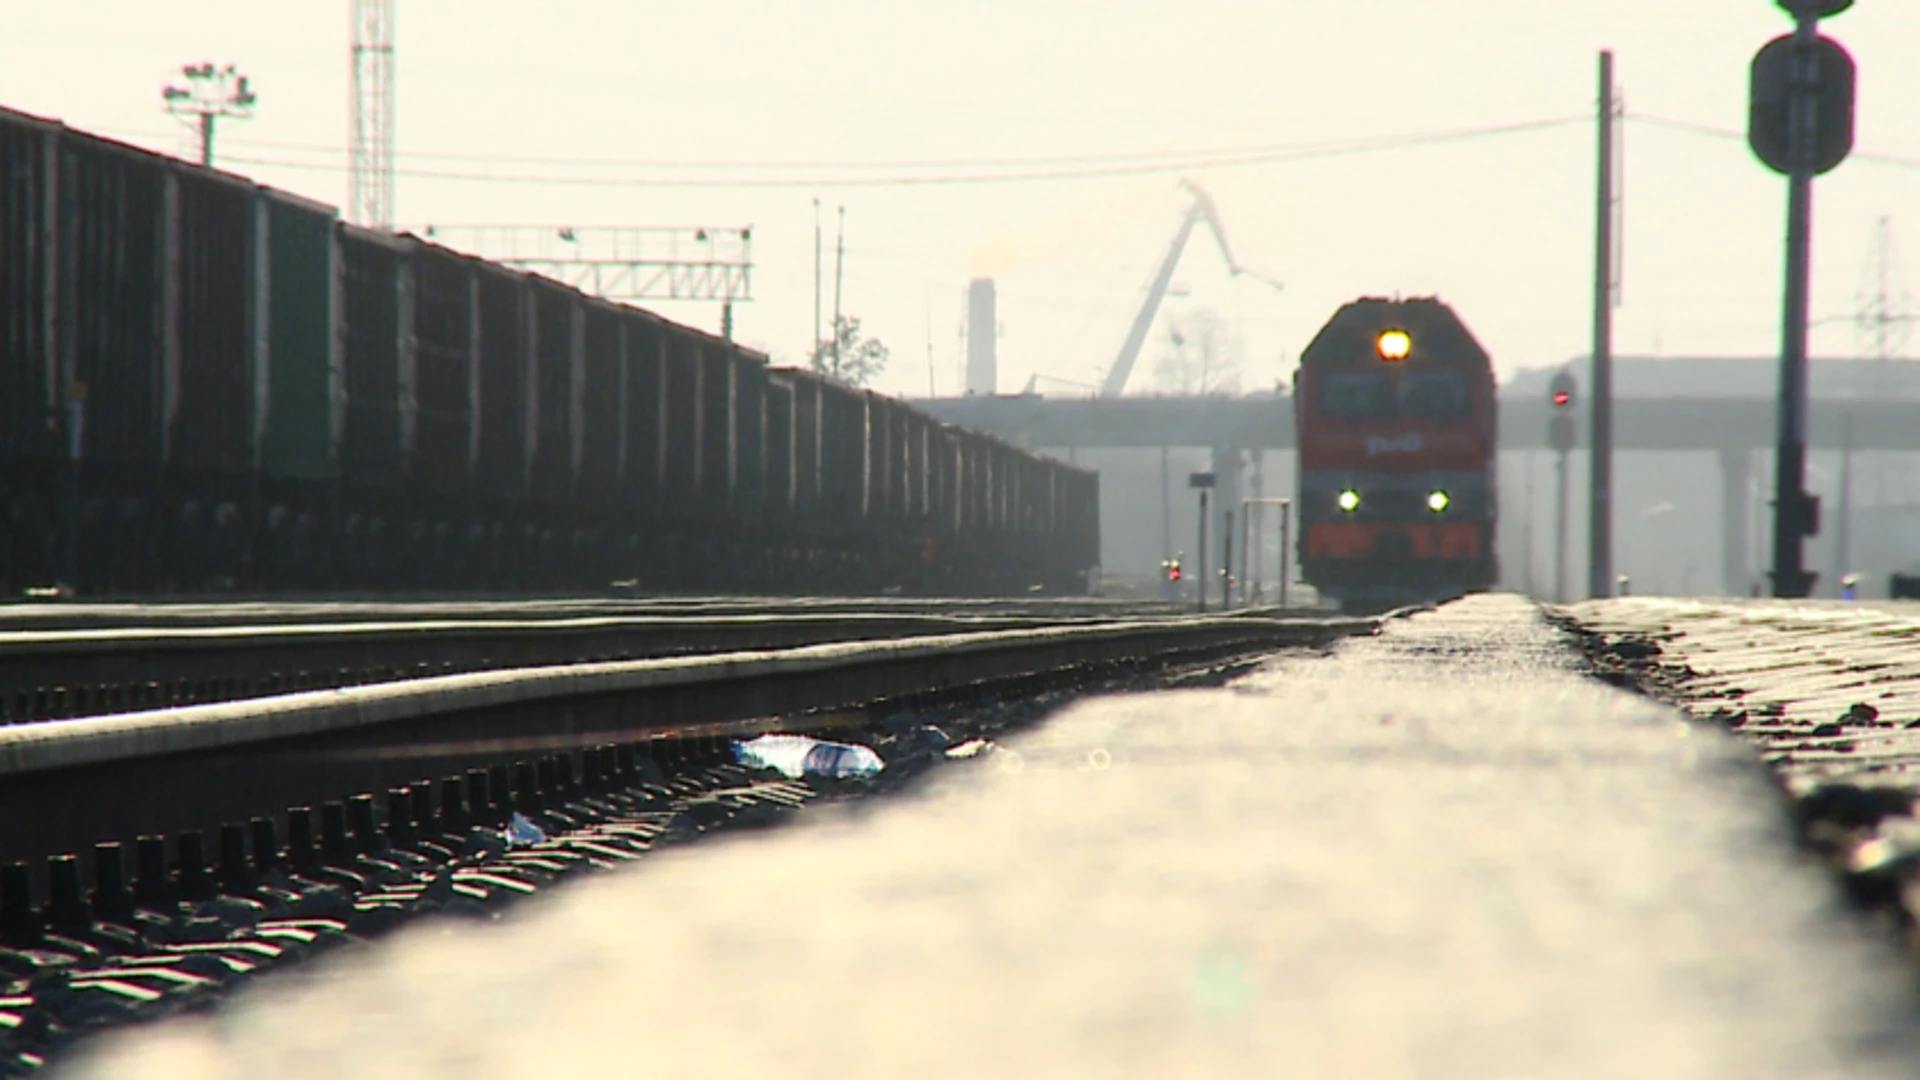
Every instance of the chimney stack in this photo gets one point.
(983, 331)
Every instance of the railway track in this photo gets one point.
(240, 612)
(153, 860)
(65, 784)
(63, 662)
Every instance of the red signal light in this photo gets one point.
(1560, 390)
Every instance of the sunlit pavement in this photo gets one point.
(1829, 690)
(1441, 852)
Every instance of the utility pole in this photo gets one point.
(926, 298)
(370, 188)
(1843, 530)
(210, 94)
(1201, 582)
(818, 341)
(839, 266)
(1166, 509)
(1560, 529)
(1600, 439)
(1526, 535)
(1226, 562)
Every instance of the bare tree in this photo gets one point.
(851, 358)
(1202, 356)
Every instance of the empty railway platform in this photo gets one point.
(1483, 840)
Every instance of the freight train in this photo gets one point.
(1396, 413)
(207, 385)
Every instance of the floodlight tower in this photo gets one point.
(370, 182)
(210, 94)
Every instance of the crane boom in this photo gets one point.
(1202, 210)
(1137, 336)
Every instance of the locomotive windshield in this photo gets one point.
(1356, 393)
(1434, 395)
(1378, 395)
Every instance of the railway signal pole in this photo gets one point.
(1800, 123)
(1203, 481)
(1560, 438)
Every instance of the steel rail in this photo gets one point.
(66, 784)
(60, 674)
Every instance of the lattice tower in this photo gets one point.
(370, 181)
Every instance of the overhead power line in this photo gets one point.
(984, 172)
(952, 171)
(1170, 159)
(1714, 131)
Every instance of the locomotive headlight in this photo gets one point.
(1438, 501)
(1394, 344)
(1349, 500)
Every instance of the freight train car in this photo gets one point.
(208, 386)
(1395, 410)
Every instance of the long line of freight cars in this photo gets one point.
(207, 385)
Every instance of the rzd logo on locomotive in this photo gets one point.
(1410, 443)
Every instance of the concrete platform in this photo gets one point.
(1437, 853)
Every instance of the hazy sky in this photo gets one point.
(752, 108)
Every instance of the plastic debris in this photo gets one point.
(931, 739)
(971, 748)
(522, 832)
(795, 756)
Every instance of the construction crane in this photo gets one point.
(1202, 210)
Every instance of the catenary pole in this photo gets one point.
(817, 340)
(839, 266)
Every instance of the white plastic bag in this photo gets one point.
(796, 756)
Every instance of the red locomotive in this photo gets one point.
(1396, 414)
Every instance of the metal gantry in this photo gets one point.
(621, 262)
